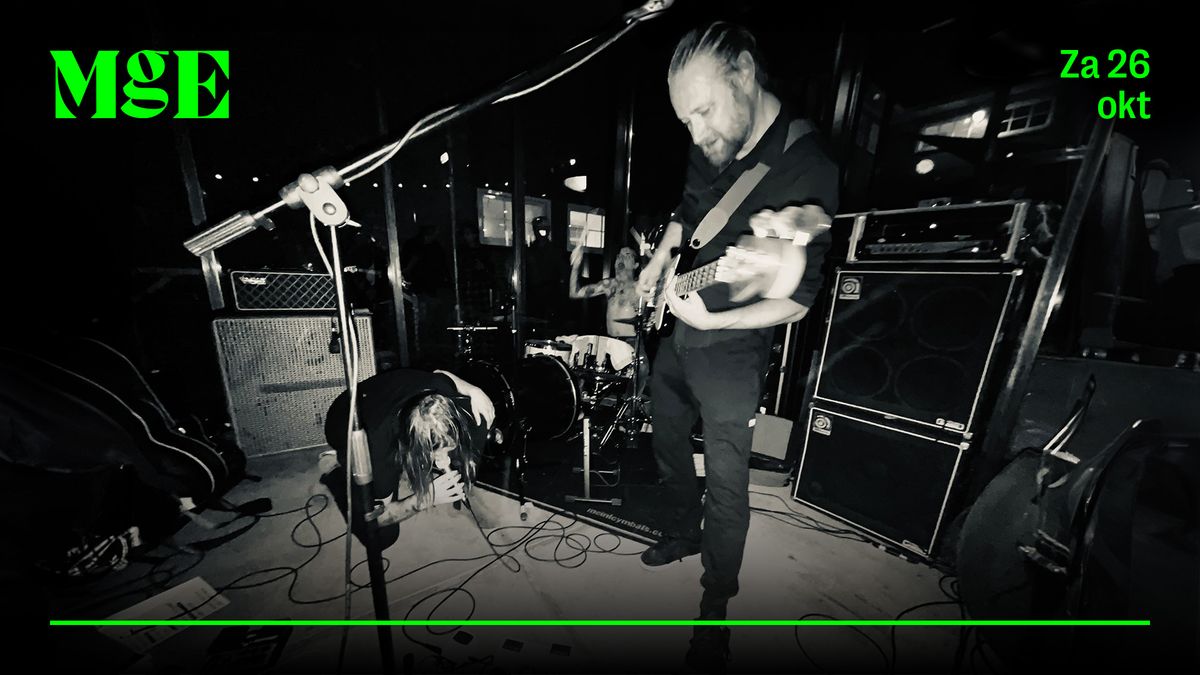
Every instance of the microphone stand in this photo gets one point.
(318, 195)
(317, 192)
(244, 222)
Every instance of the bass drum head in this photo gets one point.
(547, 396)
(488, 377)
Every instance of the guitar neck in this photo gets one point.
(701, 277)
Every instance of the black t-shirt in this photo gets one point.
(380, 399)
(804, 174)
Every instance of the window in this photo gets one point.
(495, 217)
(972, 125)
(585, 221)
(1023, 117)
(1020, 117)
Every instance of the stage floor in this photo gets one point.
(562, 569)
(624, 470)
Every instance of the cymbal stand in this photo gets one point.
(466, 339)
(587, 471)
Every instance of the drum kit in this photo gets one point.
(556, 389)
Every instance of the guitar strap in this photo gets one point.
(718, 216)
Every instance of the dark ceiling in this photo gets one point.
(311, 88)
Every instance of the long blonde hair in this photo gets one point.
(428, 422)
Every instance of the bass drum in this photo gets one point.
(488, 377)
(545, 395)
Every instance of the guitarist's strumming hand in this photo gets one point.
(656, 267)
(648, 278)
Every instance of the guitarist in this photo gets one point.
(712, 366)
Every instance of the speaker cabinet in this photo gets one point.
(280, 377)
(913, 344)
(889, 482)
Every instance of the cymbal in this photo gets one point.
(631, 320)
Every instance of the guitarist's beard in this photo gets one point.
(720, 152)
(725, 143)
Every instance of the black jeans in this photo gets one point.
(721, 384)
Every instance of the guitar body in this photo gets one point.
(758, 266)
(94, 461)
(82, 405)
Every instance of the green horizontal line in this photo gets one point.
(259, 622)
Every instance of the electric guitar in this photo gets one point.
(768, 264)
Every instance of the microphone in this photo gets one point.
(233, 227)
(454, 466)
(458, 502)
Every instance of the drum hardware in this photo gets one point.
(556, 383)
(556, 348)
(466, 336)
(541, 402)
(587, 472)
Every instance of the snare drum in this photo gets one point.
(601, 346)
(559, 350)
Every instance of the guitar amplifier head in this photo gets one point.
(965, 233)
(280, 377)
(282, 291)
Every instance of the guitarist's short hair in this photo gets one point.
(722, 40)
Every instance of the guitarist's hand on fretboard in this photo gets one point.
(771, 263)
(691, 310)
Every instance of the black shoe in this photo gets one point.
(668, 551)
(709, 651)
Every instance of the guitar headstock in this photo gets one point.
(756, 266)
(802, 223)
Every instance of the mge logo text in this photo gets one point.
(198, 81)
